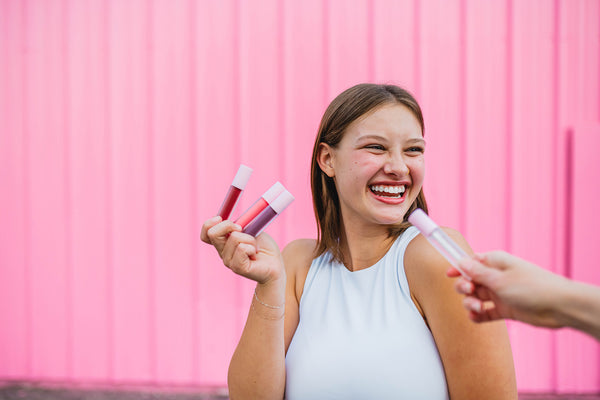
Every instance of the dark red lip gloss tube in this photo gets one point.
(267, 216)
(235, 190)
(260, 204)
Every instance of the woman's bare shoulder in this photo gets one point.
(297, 257)
(426, 269)
(300, 250)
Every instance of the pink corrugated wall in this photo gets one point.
(123, 122)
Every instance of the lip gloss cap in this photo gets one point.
(242, 177)
(422, 221)
(282, 201)
(274, 191)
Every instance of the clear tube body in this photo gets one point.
(448, 248)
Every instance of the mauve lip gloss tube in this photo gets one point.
(260, 204)
(233, 194)
(269, 213)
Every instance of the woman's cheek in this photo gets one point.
(367, 161)
(416, 168)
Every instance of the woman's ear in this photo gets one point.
(325, 159)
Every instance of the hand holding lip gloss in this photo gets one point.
(439, 239)
(235, 190)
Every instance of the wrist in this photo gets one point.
(272, 291)
(275, 276)
(580, 307)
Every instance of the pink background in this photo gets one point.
(123, 122)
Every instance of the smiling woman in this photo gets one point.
(364, 311)
(348, 111)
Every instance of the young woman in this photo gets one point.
(366, 310)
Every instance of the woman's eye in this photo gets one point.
(416, 149)
(375, 147)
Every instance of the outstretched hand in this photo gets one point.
(505, 286)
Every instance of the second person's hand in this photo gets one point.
(505, 286)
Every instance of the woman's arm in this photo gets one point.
(478, 362)
(257, 368)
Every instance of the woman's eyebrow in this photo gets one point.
(371, 137)
(417, 140)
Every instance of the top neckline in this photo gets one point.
(376, 265)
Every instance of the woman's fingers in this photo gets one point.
(218, 235)
(241, 261)
(209, 223)
(232, 251)
(240, 252)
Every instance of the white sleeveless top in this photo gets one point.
(360, 336)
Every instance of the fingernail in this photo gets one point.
(472, 304)
(466, 287)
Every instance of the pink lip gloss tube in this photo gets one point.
(235, 190)
(439, 239)
(269, 213)
(260, 204)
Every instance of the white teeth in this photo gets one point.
(389, 189)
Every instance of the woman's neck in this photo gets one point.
(362, 248)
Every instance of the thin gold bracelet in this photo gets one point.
(267, 305)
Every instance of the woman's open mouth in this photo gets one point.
(393, 192)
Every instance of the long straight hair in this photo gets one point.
(346, 108)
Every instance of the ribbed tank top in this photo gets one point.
(360, 336)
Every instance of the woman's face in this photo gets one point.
(378, 166)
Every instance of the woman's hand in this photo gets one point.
(257, 258)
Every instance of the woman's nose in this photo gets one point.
(396, 165)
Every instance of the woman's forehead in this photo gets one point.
(385, 120)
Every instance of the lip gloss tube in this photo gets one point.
(260, 204)
(269, 213)
(439, 239)
(235, 190)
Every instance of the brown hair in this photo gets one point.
(346, 108)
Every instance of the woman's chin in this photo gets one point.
(391, 220)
